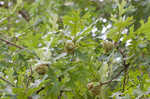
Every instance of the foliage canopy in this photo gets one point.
(74, 49)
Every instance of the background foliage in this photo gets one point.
(74, 49)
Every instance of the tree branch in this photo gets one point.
(7, 81)
(10, 43)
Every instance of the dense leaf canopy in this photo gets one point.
(74, 49)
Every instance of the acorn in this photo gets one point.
(95, 90)
(107, 45)
(90, 86)
(42, 69)
(69, 47)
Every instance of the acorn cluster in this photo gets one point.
(41, 69)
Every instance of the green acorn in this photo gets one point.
(69, 47)
(42, 69)
(108, 46)
(95, 89)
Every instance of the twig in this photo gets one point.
(42, 88)
(126, 68)
(7, 81)
(5, 6)
(11, 43)
(61, 93)
(38, 91)
(123, 70)
(124, 81)
(107, 82)
(17, 46)
(24, 14)
(142, 96)
(30, 76)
